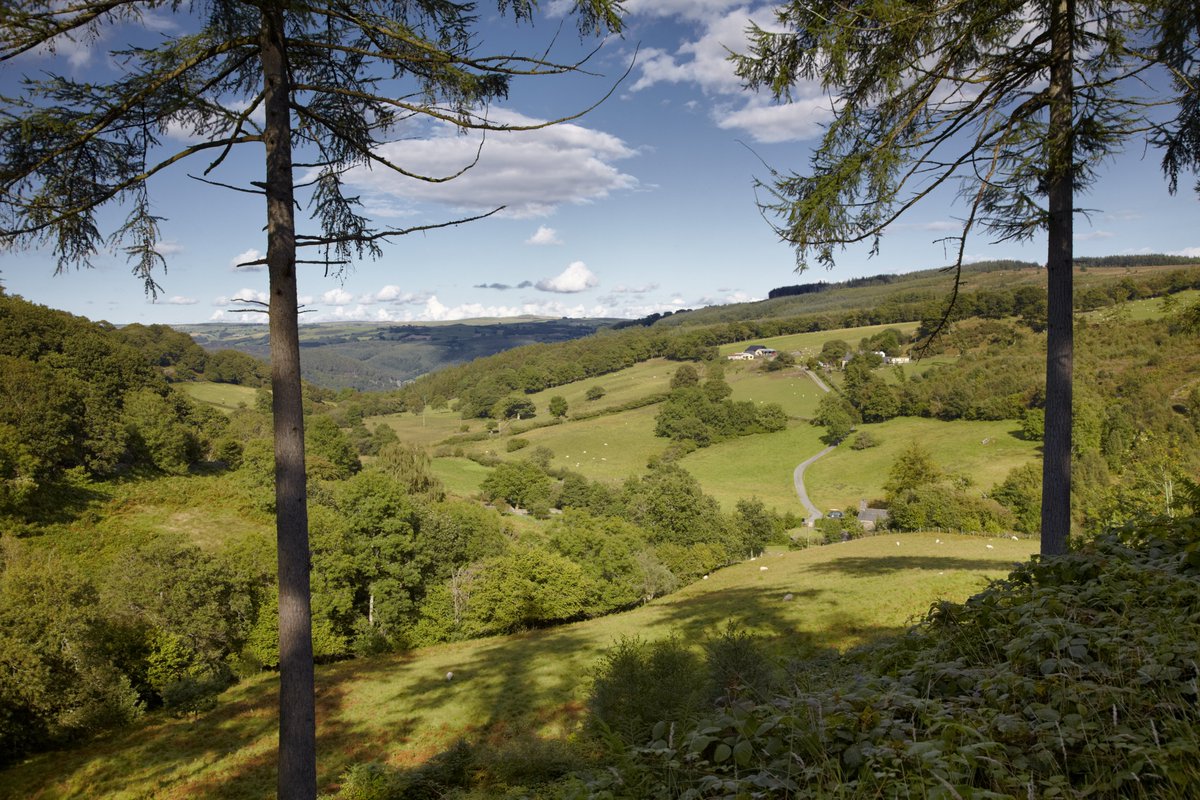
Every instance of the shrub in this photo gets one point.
(864, 440)
(1074, 677)
(638, 684)
(595, 392)
(516, 443)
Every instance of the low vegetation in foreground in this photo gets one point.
(1073, 677)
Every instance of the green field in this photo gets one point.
(756, 466)
(225, 396)
(609, 447)
(401, 710)
(620, 387)
(809, 344)
(790, 388)
(427, 427)
(984, 451)
(460, 476)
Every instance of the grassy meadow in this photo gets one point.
(809, 344)
(225, 396)
(400, 709)
(756, 466)
(983, 451)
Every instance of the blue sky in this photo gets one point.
(645, 204)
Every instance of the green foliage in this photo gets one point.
(522, 484)
(837, 416)
(328, 449)
(1021, 494)
(595, 393)
(701, 415)
(1073, 677)
(558, 406)
(515, 443)
(863, 441)
(514, 407)
(637, 685)
(409, 465)
(685, 376)
(60, 679)
(232, 366)
(921, 497)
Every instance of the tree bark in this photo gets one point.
(297, 779)
(1056, 462)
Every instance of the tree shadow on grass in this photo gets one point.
(874, 566)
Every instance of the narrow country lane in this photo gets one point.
(814, 513)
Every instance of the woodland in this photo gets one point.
(116, 613)
(139, 584)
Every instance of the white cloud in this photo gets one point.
(337, 297)
(394, 294)
(544, 236)
(575, 278)
(248, 255)
(170, 248)
(242, 297)
(529, 172)
(1093, 236)
(178, 300)
(703, 60)
(1188, 252)
(649, 287)
(794, 121)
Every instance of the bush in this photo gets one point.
(1074, 677)
(595, 392)
(863, 441)
(514, 444)
(638, 684)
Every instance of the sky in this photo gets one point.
(645, 204)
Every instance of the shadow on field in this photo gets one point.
(869, 566)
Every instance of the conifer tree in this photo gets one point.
(1014, 103)
(317, 86)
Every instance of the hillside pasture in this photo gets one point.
(620, 387)
(983, 451)
(225, 396)
(427, 427)
(460, 476)
(401, 709)
(809, 344)
(794, 391)
(756, 466)
(610, 447)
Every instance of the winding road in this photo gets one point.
(814, 513)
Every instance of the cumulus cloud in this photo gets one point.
(575, 278)
(1188, 252)
(719, 26)
(544, 236)
(179, 300)
(246, 256)
(394, 294)
(504, 286)
(337, 297)
(531, 173)
(242, 296)
(168, 248)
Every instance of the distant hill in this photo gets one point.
(370, 356)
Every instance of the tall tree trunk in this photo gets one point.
(1060, 337)
(297, 778)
